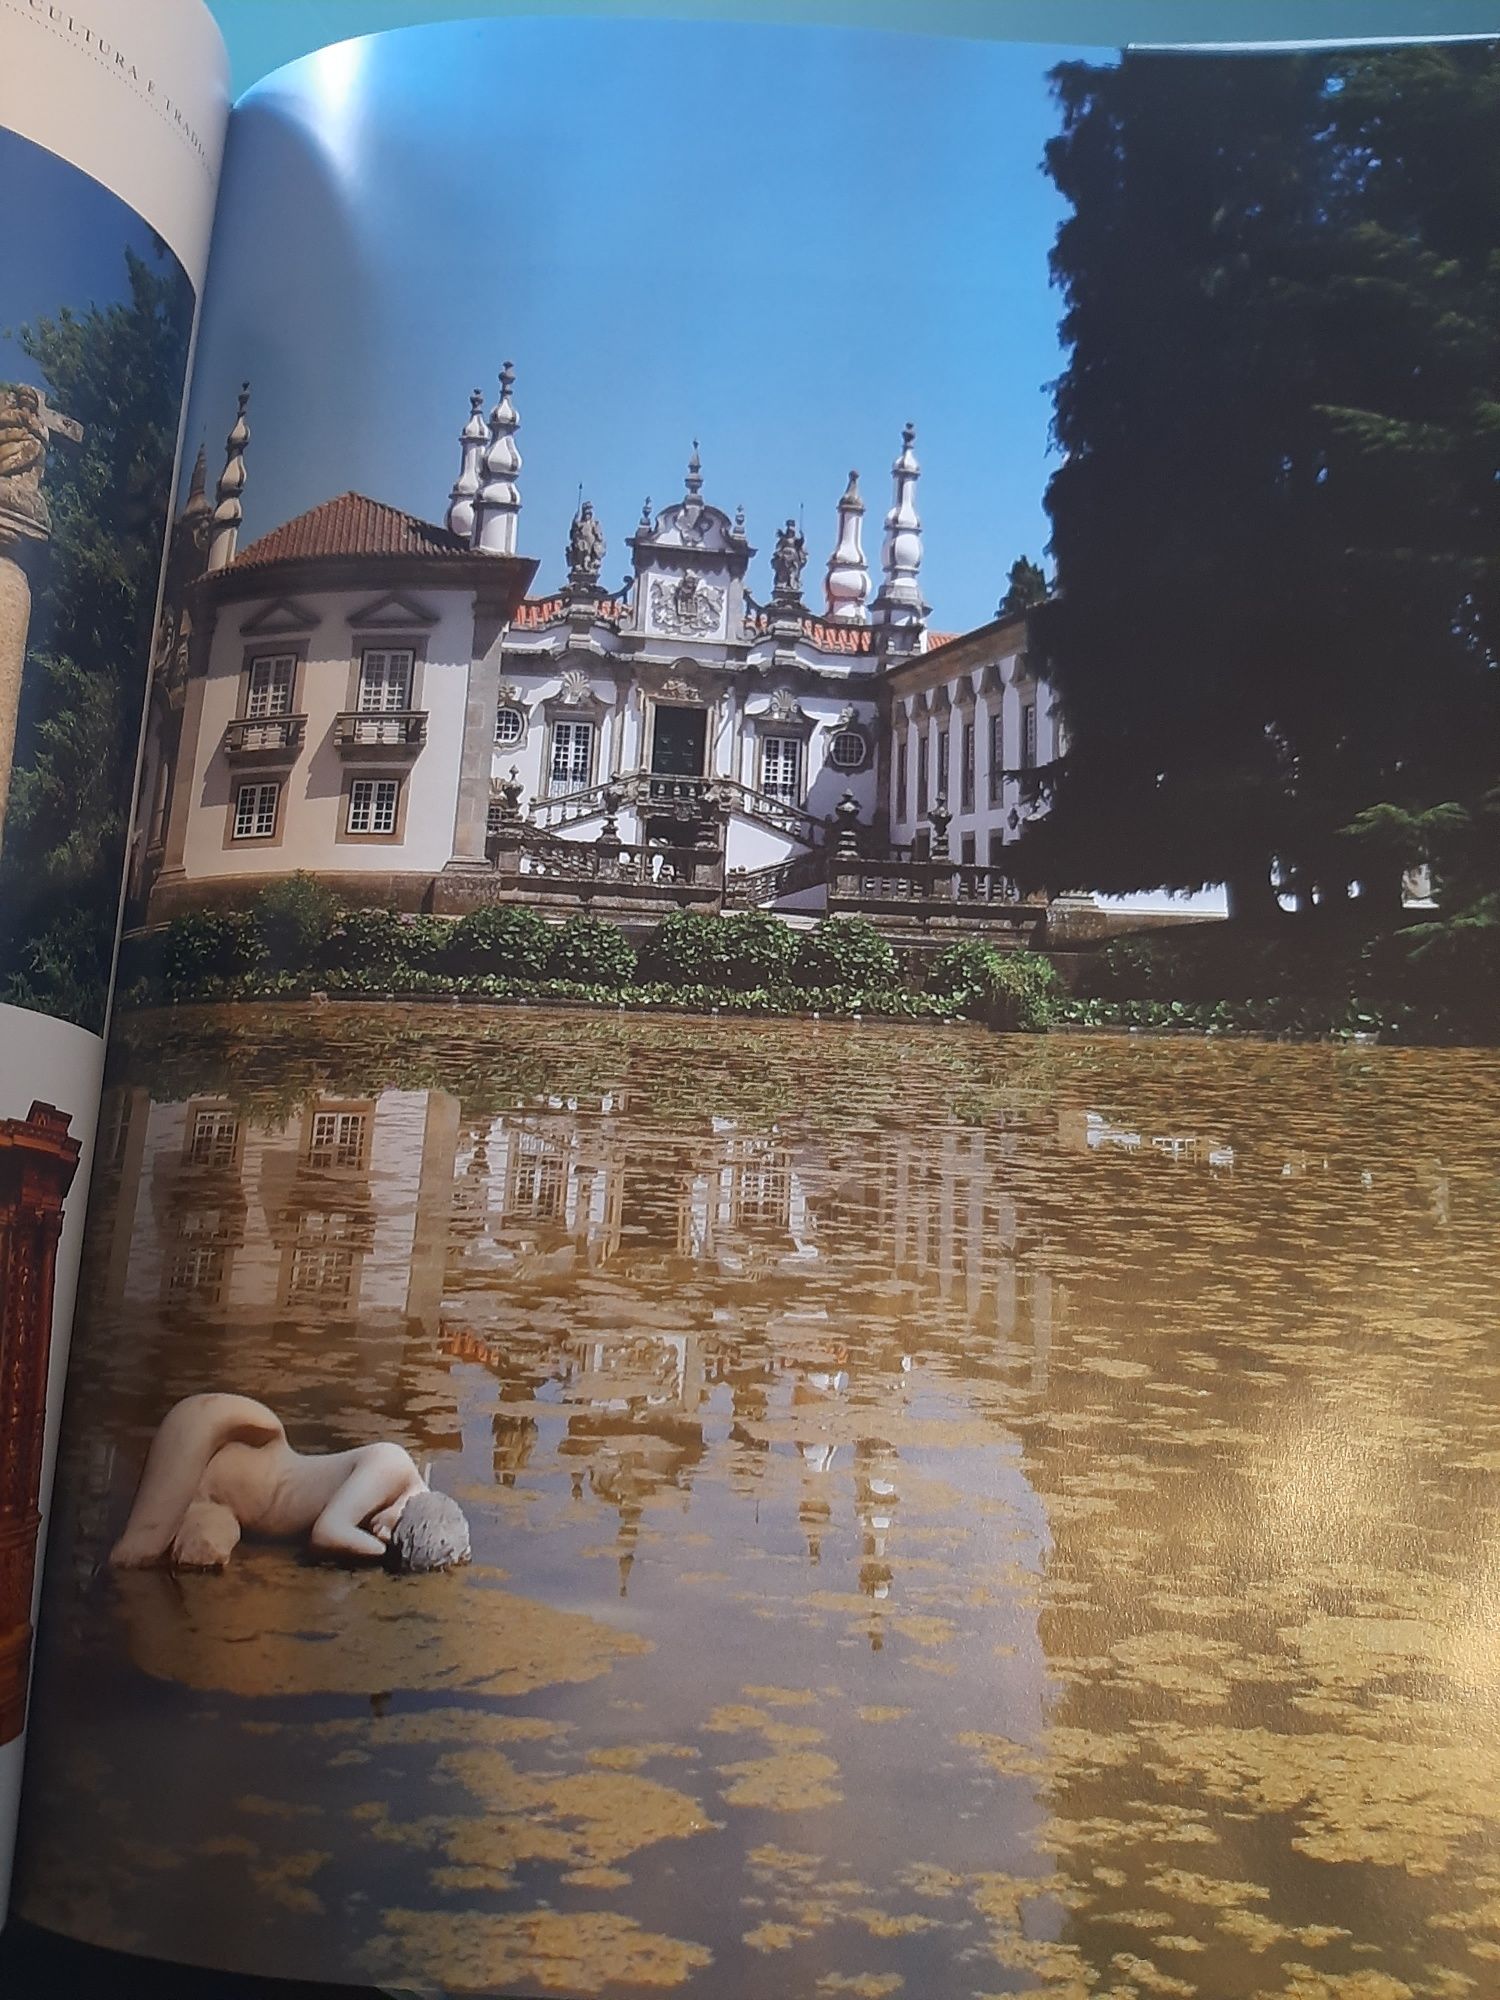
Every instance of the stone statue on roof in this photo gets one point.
(788, 560)
(586, 546)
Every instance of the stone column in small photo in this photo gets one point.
(38, 1160)
(27, 420)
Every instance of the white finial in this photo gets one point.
(497, 508)
(229, 513)
(471, 439)
(848, 581)
(899, 601)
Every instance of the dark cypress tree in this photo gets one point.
(1276, 372)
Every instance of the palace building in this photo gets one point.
(387, 703)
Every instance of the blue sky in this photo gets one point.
(65, 243)
(784, 242)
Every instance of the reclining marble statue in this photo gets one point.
(220, 1467)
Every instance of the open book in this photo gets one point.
(671, 1387)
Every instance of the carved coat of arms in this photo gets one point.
(687, 608)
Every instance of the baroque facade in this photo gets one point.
(385, 702)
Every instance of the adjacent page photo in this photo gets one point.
(791, 1267)
(109, 143)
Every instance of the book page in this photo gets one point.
(791, 1281)
(110, 135)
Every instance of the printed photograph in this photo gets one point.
(793, 1247)
(49, 1098)
(95, 319)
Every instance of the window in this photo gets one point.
(572, 755)
(322, 1267)
(255, 811)
(847, 750)
(903, 758)
(510, 723)
(196, 1273)
(338, 1139)
(966, 770)
(997, 848)
(1028, 737)
(215, 1135)
(538, 1182)
(997, 756)
(372, 805)
(966, 850)
(269, 691)
(922, 767)
(384, 682)
(944, 744)
(781, 768)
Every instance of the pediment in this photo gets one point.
(282, 614)
(393, 611)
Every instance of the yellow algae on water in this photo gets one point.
(1011, 1760)
(1151, 1979)
(772, 1937)
(269, 1625)
(786, 1781)
(543, 1948)
(283, 1880)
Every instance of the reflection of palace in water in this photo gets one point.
(397, 1208)
(749, 1270)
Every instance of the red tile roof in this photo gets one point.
(351, 525)
(936, 639)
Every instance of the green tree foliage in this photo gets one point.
(293, 916)
(1025, 585)
(1275, 523)
(119, 370)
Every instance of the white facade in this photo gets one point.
(370, 698)
(970, 723)
(333, 802)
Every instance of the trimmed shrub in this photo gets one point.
(684, 950)
(377, 939)
(1013, 991)
(843, 952)
(587, 951)
(292, 919)
(1018, 993)
(962, 967)
(513, 942)
(204, 945)
(755, 950)
(363, 938)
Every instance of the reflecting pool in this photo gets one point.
(952, 1514)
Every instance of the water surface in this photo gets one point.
(953, 1515)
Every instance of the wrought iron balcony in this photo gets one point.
(266, 739)
(403, 731)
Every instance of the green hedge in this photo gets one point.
(291, 941)
(1429, 982)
